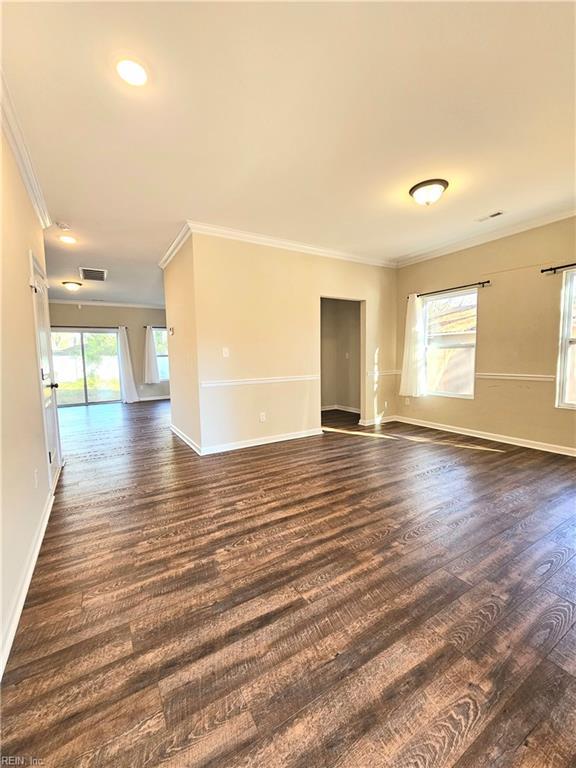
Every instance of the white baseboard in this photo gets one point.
(346, 408)
(156, 397)
(508, 439)
(188, 440)
(377, 420)
(12, 623)
(225, 447)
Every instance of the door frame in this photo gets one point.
(82, 329)
(54, 465)
(363, 352)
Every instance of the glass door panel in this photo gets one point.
(101, 363)
(86, 366)
(68, 367)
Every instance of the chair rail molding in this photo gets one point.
(518, 376)
(267, 380)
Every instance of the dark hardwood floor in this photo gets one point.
(370, 597)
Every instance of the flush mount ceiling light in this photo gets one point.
(429, 191)
(67, 239)
(72, 285)
(131, 72)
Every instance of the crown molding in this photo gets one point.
(23, 160)
(80, 302)
(461, 245)
(453, 246)
(287, 245)
(201, 228)
(175, 245)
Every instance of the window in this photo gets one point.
(161, 344)
(566, 378)
(450, 338)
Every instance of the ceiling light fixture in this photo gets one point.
(72, 285)
(429, 191)
(67, 239)
(131, 72)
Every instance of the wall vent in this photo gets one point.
(491, 216)
(89, 273)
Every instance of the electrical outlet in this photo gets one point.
(263, 416)
(225, 352)
(406, 401)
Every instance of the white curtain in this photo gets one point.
(413, 381)
(127, 383)
(151, 375)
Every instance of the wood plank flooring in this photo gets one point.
(395, 597)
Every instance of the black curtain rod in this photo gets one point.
(558, 268)
(481, 284)
(156, 327)
(83, 327)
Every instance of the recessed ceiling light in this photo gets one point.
(131, 72)
(429, 191)
(72, 285)
(67, 239)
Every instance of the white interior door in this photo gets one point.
(46, 373)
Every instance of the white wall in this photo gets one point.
(26, 493)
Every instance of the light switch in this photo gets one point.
(225, 352)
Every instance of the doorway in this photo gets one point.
(86, 365)
(341, 361)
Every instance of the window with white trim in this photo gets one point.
(161, 346)
(566, 378)
(450, 339)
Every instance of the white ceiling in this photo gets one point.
(307, 122)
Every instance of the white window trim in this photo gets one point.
(453, 345)
(160, 328)
(568, 291)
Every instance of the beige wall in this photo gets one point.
(263, 305)
(340, 358)
(179, 291)
(134, 318)
(518, 330)
(23, 448)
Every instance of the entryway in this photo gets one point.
(341, 361)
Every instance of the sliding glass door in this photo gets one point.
(86, 366)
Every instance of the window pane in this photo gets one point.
(570, 385)
(163, 368)
(450, 323)
(68, 370)
(573, 318)
(161, 341)
(452, 314)
(450, 371)
(102, 373)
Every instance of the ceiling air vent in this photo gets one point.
(491, 216)
(88, 273)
